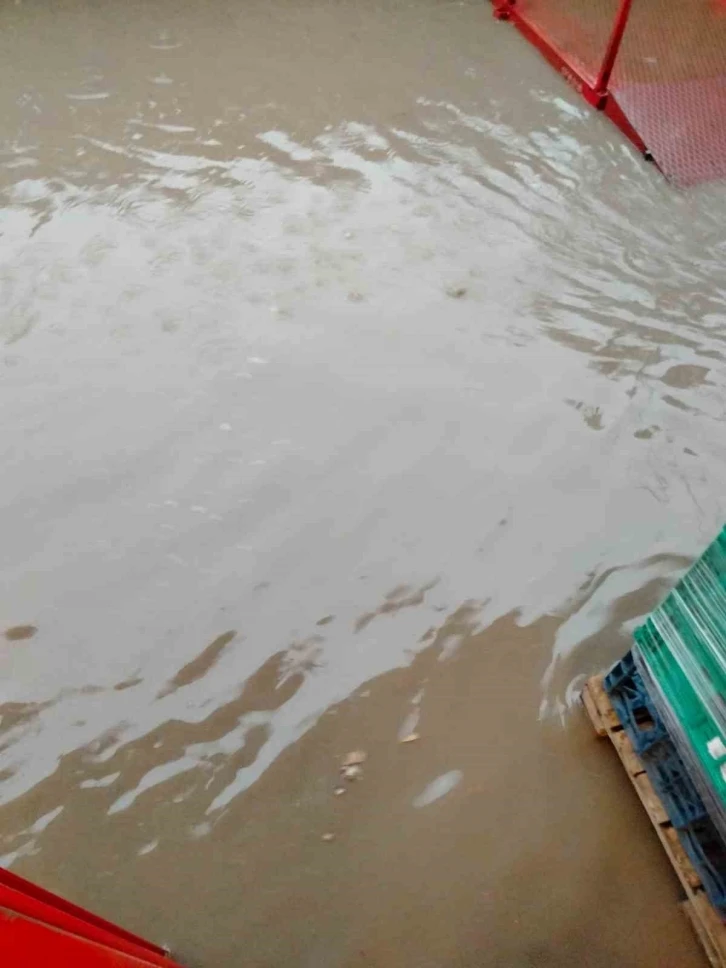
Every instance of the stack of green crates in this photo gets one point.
(680, 652)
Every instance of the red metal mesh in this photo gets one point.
(670, 80)
(669, 77)
(577, 29)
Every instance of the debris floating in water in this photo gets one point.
(18, 633)
(350, 766)
(328, 837)
(354, 759)
(411, 738)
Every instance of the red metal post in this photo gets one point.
(616, 37)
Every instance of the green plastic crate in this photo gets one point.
(681, 649)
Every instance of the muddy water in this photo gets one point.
(355, 382)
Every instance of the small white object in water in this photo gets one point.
(438, 788)
(354, 759)
(411, 738)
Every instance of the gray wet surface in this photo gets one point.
(356, 379)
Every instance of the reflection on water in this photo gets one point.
(356, 381)
(438, 788)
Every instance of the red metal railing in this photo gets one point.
(657, 68)
(38, 928)
(597, 94)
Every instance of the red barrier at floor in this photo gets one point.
(38, 928)
(657, 68)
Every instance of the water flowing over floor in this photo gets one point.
(357, 382)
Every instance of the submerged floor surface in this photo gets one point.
(356, 381)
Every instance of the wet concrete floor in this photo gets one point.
(356, 381)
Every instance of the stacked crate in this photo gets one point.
(669, 693)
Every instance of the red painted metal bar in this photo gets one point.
(611, 52)
(21, 900)
(25, 943)
(23, 896)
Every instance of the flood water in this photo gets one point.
(356, 381)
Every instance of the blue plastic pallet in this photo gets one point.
(707, 852)
(634, 707)
(673, 784)
(669, 776)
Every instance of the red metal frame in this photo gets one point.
(599, 95)
(56, 927)
(31, 944)
(611, 52)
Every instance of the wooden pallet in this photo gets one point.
(705, 920)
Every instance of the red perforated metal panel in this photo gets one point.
(667, 90)
(670, 79)
(577, 29)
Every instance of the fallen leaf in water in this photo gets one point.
(411, 738)
(19, 633)
(354, 759)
